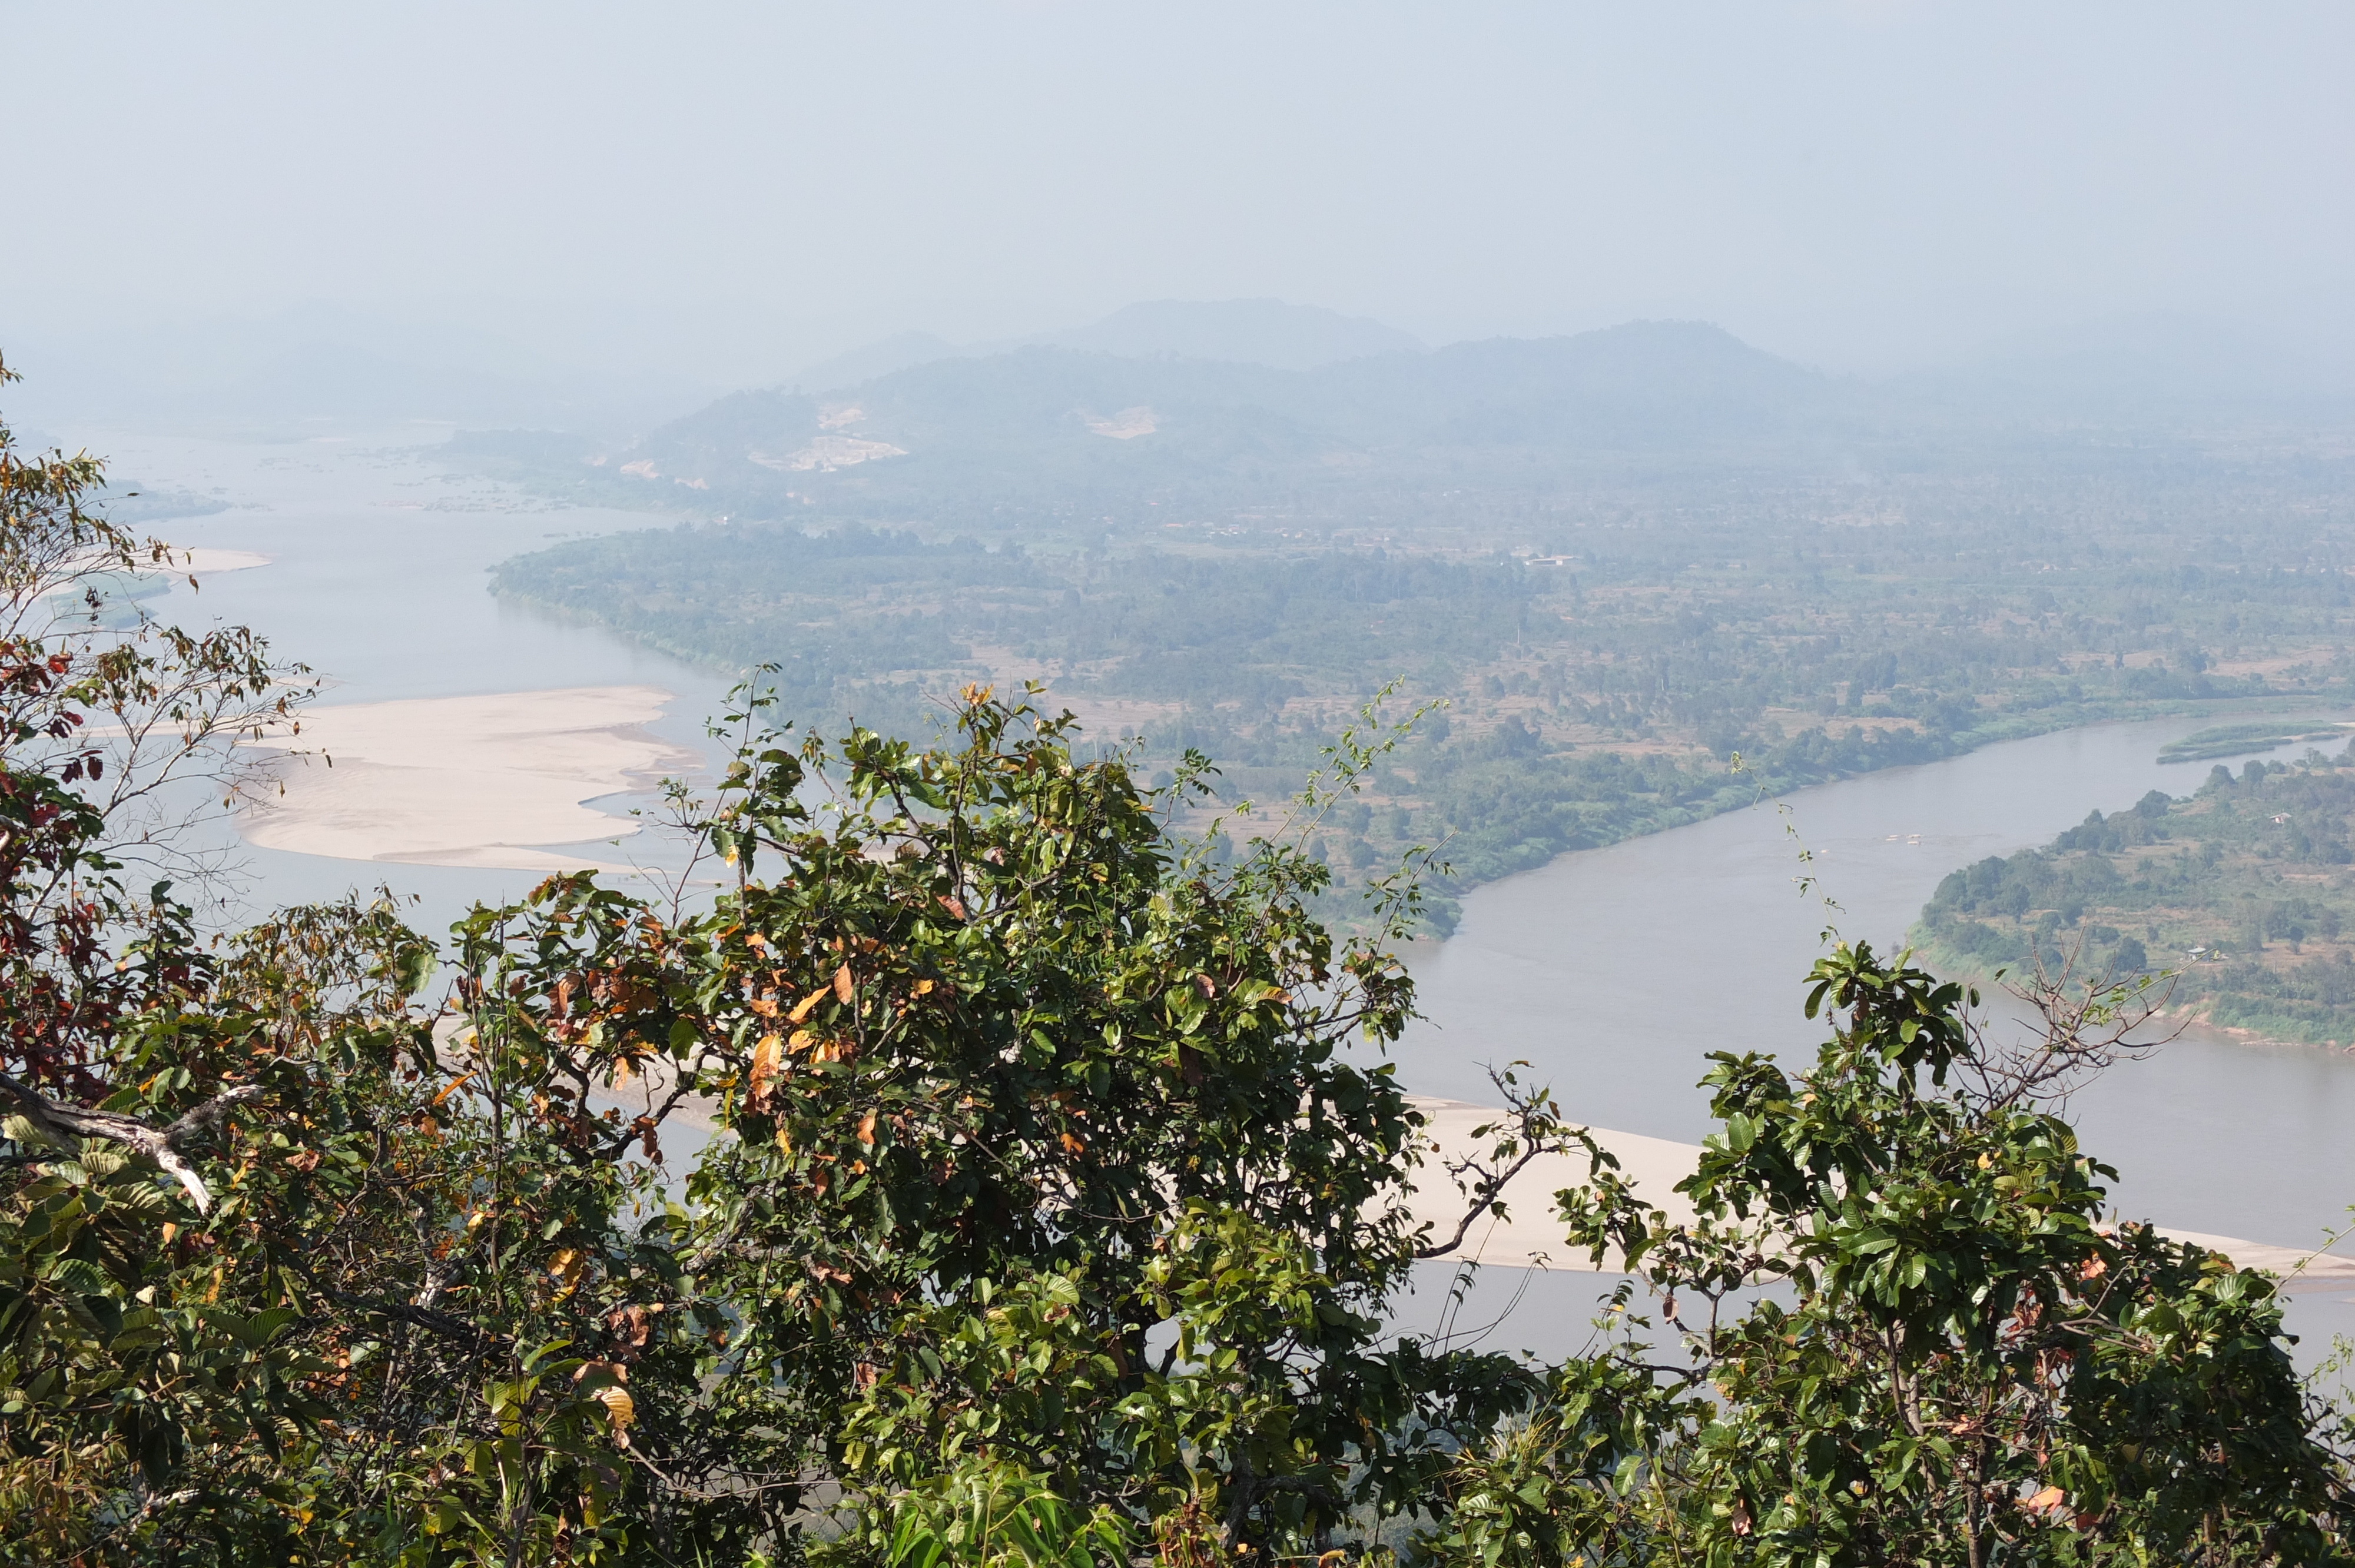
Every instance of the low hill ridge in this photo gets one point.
(1042, 421)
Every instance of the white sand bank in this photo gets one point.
(177, 561)
(2299, 1268)
(207, 563)
(1531, 1238)
(467, 781)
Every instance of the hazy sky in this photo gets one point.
(724, 189)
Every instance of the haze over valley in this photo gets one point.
(1021, 784)
(1620, 559)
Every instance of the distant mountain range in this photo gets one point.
(1169, 399)
(1042, 427)
(1113, 421)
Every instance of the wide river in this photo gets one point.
(1611, 971)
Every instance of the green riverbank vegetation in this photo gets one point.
(2242, 892)
(1584, 704)
(2254, 735)
(991, 1174)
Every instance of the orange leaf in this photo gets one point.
(2047, 1500)
(767, 1057)
(803, 1008)
(621, 1409)
(842, 985)
(867, 1130)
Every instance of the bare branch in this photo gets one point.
(2083, 1026)
(63, 1122)
(1532, 1127)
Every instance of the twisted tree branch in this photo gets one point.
(62, 1122)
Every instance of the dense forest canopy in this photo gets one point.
(839, 609)
(1605, 646)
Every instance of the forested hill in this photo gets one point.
(2245, 890)
(1054, 433)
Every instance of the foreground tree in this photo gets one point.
(1044, 1173)
(260, 1296)
(1962, 1363)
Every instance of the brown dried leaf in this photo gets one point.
(767, 1057)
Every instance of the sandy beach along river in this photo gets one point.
(475, 745)
(465, 781)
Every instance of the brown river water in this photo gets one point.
(1613, 972)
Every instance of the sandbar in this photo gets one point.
(210, 562)
(480, 781)
(1532, 1238)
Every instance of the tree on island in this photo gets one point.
(984, 1174)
